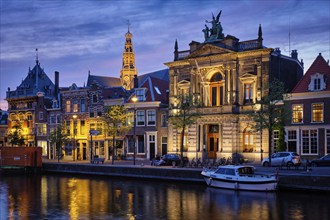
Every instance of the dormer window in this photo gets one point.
(140, 94)
(317, 82)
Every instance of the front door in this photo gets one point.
(152, 151)
(212, 145)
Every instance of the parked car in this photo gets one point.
(323, 161)
(168, 160)
(282, 158)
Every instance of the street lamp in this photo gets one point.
(74, 136)
(134, 100)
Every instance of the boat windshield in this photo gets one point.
(226, 171)
(245, 171)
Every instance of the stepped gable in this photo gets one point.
(318, 66)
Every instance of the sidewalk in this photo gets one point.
(324, 171)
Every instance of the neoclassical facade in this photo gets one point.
(228, 77)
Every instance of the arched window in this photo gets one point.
(216, 89)
(248, 143)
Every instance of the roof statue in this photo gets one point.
(215, 33)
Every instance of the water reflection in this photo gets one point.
(69, 197)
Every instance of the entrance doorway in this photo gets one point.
(152, 151)
(212, 141)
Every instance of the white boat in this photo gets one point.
(239, 177)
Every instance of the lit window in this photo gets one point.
(82, 127)
(317, 112)
(42, 129)
(130, 119)
(248, 140)
(216, 87)
(297, 113)
(140, 117)
(151, 117)
(68, 106)
(75, 106)
(248, 93)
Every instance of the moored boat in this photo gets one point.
(239, 177)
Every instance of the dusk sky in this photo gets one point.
(76, 36)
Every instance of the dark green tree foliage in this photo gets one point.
(115, 123)
(183, 115)
(15, 136)
(271, 113)
(58, 137)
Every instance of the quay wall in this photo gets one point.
(287, 180)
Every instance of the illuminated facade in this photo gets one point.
(151, 110)
(128, 71)
(227, 76)
(308, 130)
(28, 104)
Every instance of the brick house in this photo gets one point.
(308, 131)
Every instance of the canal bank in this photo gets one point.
(316, 179)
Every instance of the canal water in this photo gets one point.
(94, 197)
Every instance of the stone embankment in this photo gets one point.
(316, 179)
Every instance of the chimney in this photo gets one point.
(294, 54)
(277, 50)
(56, 83)
(136, 82)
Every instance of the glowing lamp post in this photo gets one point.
(134, 100)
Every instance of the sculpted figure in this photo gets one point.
(206, 31)
(216, 30)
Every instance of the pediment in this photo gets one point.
(184, 82)
(248, 75)
(207, 50)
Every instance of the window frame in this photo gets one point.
(149, 122)
(315, 111)
(140, 122)
(293, 112)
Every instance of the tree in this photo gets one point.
(115, 118)
(271, 113)
(15, 137)
(184, 114)
(58, 137)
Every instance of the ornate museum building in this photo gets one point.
(227, 76)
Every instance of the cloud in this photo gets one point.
(80, 35)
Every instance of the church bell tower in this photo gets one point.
(128, 70)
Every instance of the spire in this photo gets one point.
(37, 67)
(260, 36)
(37, 61)
(128, 24)
(176, 52)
